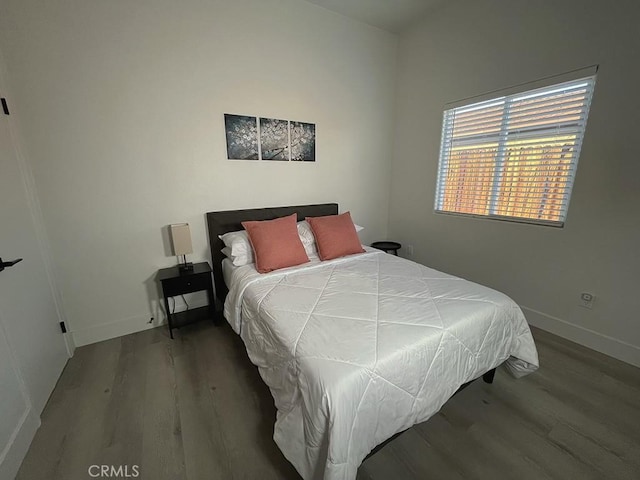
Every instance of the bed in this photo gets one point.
(360, 348)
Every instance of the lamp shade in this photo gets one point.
(181, 238)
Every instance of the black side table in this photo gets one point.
(176, 282)
(388, 247)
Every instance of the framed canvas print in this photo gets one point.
(242, 137)
(274, 139)
(303, 142)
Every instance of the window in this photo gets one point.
(514, 157)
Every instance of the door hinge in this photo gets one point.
(63, 327)
(5, 107)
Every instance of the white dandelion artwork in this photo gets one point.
(274, 139)
(242, 137)
(303, 142)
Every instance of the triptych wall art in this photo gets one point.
(257, 138)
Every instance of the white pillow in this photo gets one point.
(240, 250)
(306, 235)
(237, 261)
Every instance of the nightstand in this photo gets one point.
(175, 282)
(388, 247)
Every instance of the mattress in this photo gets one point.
(357, 349)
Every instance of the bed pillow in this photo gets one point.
(335, 236)
(276, 243)
(309, 241)
(238, 260)
(239, 244)
(238, 247)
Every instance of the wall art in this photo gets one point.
(274, 139)
(303, 141)
(261, 138)
(242, 137)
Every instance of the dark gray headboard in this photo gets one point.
(231, 221)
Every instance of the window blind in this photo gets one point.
(514, 157)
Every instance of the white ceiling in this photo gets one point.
(390, 15)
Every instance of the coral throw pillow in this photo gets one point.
(276, 243)
(335, 235)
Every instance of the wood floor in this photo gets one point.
(195, 408)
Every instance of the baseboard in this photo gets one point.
(596, 341)
(119, 328)
(107, 331)
(18, 446)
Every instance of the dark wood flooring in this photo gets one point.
(195, 408)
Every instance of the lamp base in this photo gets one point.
(185, 267)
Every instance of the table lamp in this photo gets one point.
(181, 239)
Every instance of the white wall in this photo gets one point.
(121, 107)
(470, 48)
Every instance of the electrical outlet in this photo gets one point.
(409, 250)
(586, 300)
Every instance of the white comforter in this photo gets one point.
(357, 349)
